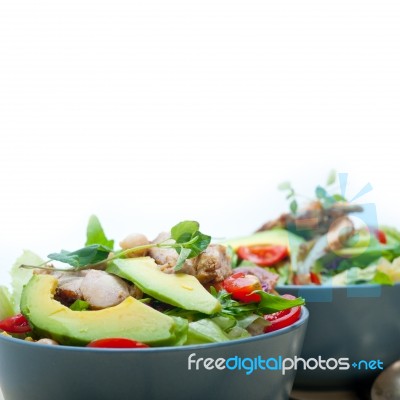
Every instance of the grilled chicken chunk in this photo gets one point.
(98, 288)
(102, 290)
(312, 221)
(212, 265)
(133, 240)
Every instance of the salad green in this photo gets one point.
(167, 292)
(321, 243)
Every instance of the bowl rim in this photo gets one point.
(302, 320)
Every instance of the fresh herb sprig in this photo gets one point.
(322, 194)
(185, 238)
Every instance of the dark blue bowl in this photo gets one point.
(43, 372)
(357, 322)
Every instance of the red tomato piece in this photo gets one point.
(284, 318)
(306, 279)
(380, 235)
(15, 324)
(263, 255)
(241, 286)
(315, 278)
(117, 343)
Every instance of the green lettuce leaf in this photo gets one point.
(21, 276)
(382, 278)
(6, 305)
(95, 234)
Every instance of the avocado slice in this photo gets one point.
(180, 290)
(280, 237)
(130, 319)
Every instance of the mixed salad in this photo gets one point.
(327, 241)
(177, 289)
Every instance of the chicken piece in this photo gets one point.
(312, 221)
(164, 256)
(340, 231)
(69, 286)
(336, 237)
(212, 265)
(98, 288)
(102, 290)
(134, 240)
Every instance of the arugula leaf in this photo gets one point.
(199, 245)
(80, 258)
(184, 231)
(271, 303)
(190, 242)
(79, 305)
(187, 234)
(95, 234)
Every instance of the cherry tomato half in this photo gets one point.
(117, 343)
(264, 255)
(15, 324)
(315, 278)
(306, 279)
(284, 318)
(241, 285)
(380, 235)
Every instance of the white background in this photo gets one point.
(150, 112)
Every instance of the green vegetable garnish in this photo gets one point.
(95, 234)
(269, 304)
(6, 306)
(79, 305)
(189, 240)
(186, 239)
(327, 200)
(89, 255)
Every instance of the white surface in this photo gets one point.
(147, 113)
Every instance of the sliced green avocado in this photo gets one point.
(274, 236)
(130, 319)
(180, 290)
